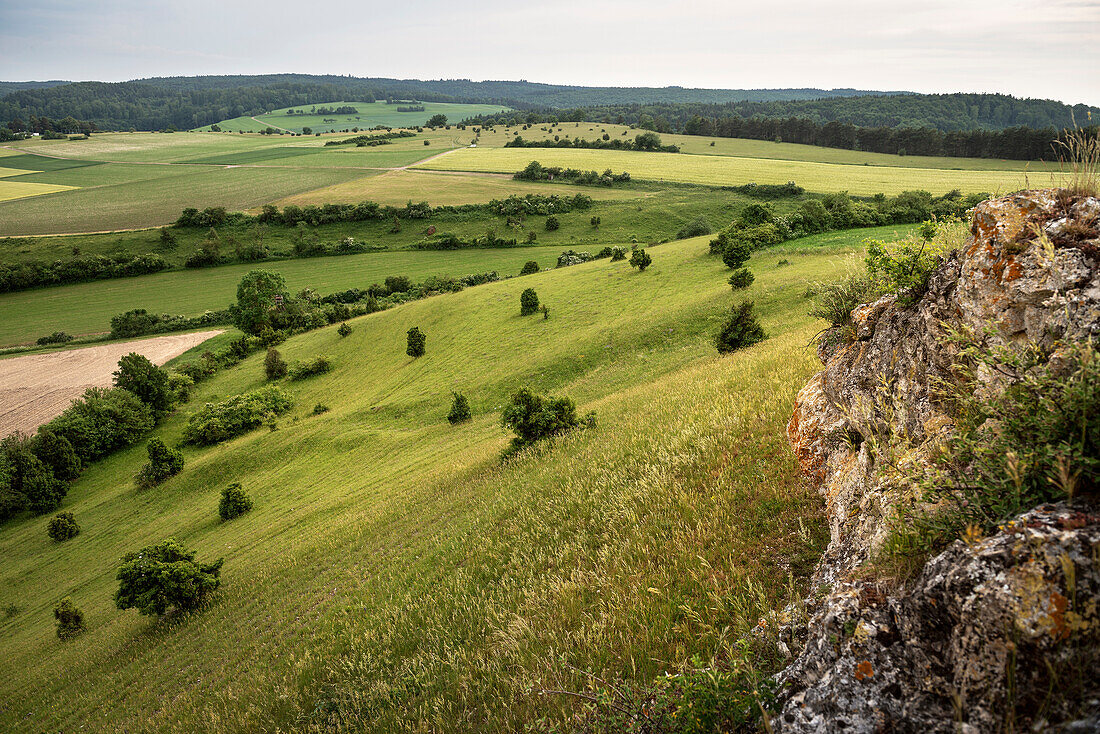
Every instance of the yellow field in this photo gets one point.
(440, 189)
(17, 190)
(711, 170)
(5, 172)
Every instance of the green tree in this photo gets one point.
(165, 576)
(438, 120)
(736, 253)
(258, 294)
(528, 302)
(234, 502)
(164, 462)
(529, 267)
(741, 329)
(70, 620)
(143, 378)
(460, 409)
(640, 259)
(416, 341)
(62, 526)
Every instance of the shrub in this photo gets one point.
(179, 386)
(742, 278)
(552, 223)
(144, 379)
(257, 296)
(695, 228)
(903, 268)
(532, 236)
(533, 417)
(70, 620)
(58, 337)
(344, 329)
(164, 577)
(398, 283)
(415, 342)
(102, 421)
(164, 462)
(234, 502)
(529, 267)
(618, 253)
(57, 453)
(740, 330)
(640, 259)
(528, 302)
(736, 254)
(320, 409)
(274, 366)
(217, 422)
(460, 409)
(26, 483)
(319, 365)
(62, 526)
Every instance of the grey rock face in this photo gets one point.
(938, 655)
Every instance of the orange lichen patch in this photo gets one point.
(864, 670)
(1058, 605)
(803, 428)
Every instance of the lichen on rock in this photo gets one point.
(987, 623)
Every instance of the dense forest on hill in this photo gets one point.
(187, 102)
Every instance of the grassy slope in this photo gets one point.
(393, 572)
(730, 171)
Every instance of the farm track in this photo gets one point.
(38, 387)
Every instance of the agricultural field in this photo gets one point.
(711, 170)
(398, 187)
(367, 115)
(87, 308)
(36, 388)
(381, 530)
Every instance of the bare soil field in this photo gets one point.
(38, 387)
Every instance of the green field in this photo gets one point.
(367, 115)
(732, 171)
(86, 308)
(394, 575)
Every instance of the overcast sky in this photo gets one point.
(1024, 47)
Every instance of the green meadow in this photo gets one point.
(367, 115)
(395, 574)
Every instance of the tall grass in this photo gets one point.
(1079, 159)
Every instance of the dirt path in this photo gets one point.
(38, 387)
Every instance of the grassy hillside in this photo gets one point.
(394, 575)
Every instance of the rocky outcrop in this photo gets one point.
(979, 626)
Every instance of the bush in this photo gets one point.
(528, 302)
(57, 453)
(736, 254)
(552, 223)
(234, 502)
(62, 526)
(217, 422)
(179, 386)
(320, 409)
(26, 483)
(460, 409)
(398, 283)
(415, 342)
(164, 577)
(618, 253)
(740, 330)
(58, 337)
(164, 462)
(529, 267)
(102, 421)
(274, 366)
(533, 417)
(319, 365)
(695, 228)
(834, 301)
(144, 379)
(640, 259)
(344, 329)
(742, 278)
(70, 620)
(903, 268)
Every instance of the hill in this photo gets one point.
(191, 102)
(395, 571)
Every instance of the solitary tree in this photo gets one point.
(164, 462)
(70, 620)
(528, 302)
(416, 340)
(165, 576)
(274, 365)
(438, 120)
(741, 329)
(640, 259)
(460, 409)
(529, 267)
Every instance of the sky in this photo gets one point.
(1022, 47)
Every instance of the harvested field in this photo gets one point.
(38, 387)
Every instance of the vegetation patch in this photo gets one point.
(217, 422)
